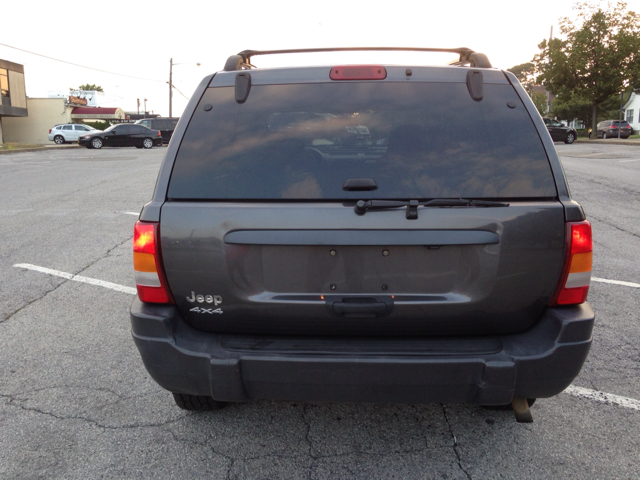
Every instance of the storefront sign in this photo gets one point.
(73, 100)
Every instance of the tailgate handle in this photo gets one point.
(360, 307)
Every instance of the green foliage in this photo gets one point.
(89, 87)
(597, 57)
(581, 108)
(540, 101)
(525, 73)
(99, 125)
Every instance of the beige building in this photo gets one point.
(12, 93)
(45, 113)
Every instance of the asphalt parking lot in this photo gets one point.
(76, 401)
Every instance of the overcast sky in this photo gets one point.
(138, 38)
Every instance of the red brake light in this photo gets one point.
(144, 238)
(50, 130)
(159, 134)
(151, 281)
(358, 72)
(573, 284)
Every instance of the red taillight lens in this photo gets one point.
(159, 134)
(573, 285)
(150, 279)
(50, 130)
(358, 72)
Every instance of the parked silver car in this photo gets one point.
(69, 132)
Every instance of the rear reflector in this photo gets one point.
(575, 278)
(150, 279)
(358, 72)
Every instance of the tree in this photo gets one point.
(525, 73)
(89, 87)
(540, 101)
(597, 58)
(579, 107)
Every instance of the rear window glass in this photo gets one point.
(416, 141)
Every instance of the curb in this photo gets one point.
(37, 149)
(611, 141)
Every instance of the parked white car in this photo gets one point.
(69, 132)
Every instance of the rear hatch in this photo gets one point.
(260, 232)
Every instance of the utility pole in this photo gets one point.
(138, 100)
(170, 85)
(145, 108)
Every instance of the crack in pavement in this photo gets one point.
(455, 441)
(13, 402)
(188, 441)
(65, 281)
(613, 226)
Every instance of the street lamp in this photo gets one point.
(145, 108)
(171, 87)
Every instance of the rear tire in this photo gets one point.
(604, 135)
(96, 143)
(197, 403)
(58, 139)
(570, 138)
(147, 143)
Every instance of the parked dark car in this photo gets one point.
(610, 129)
(166, 125)
(321, 233)
(560, 132)
(123, 136)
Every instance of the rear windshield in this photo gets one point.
(415, 141)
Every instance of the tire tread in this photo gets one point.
(197, 403)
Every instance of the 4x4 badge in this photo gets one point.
(215, 299)
(206, 310)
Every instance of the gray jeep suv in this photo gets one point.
(367, 233)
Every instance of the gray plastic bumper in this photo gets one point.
(538, 363)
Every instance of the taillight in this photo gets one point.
(575, 278)
(150, 279)
(159, 134)
(358, 72)
(50, 130)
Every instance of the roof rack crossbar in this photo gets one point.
(466, 55)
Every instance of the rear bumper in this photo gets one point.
(538, 363)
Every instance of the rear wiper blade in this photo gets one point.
(362, 206)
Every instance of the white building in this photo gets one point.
(632, 112)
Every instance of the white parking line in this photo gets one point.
(627, 161)
(603, 397)
(616, 282)
(78, 278)
(132, 213)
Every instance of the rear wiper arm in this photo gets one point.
(362, 206)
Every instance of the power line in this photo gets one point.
(82, 66)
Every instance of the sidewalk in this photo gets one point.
(31, 148)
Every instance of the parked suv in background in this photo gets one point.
(69, 132)
(166, 126)
(323, 234)
(560, 132)
(609, 129)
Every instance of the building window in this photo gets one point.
(4, 87)
(630, 115)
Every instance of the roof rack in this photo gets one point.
(242, 61)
